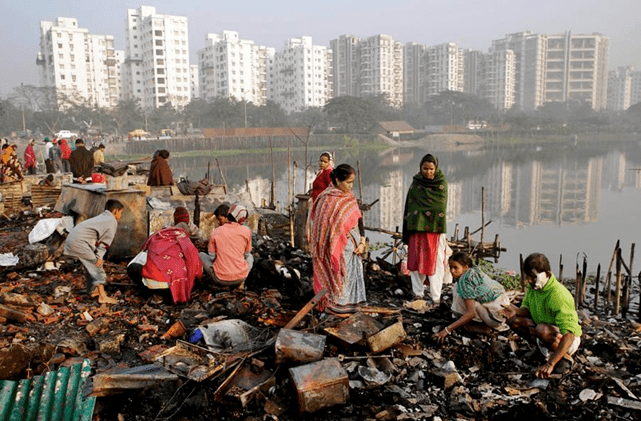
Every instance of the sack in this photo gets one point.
(191, 188)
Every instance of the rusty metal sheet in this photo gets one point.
(320, 385)
(355, 328)
(55, 395)
(299, 347)
(105, 384)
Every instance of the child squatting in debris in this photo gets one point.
(477, 299)
(229, 257)
(88, 242)
(547, 315)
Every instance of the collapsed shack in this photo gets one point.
(148, 361)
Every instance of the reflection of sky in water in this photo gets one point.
(556, 200)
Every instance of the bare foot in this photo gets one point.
(107, 300)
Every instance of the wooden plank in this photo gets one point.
(625, 403)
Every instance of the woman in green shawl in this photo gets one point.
(424, 228)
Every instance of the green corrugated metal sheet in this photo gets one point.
(56, 395)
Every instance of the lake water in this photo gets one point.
(573, 201)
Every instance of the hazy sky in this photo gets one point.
(470, 23)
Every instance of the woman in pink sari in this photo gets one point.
(337, 244)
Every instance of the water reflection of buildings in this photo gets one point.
(538, 192)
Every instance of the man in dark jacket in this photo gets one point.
(81, 161)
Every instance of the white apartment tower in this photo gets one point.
(499, 79)
(474, 62)
(345, 65)
(413, 73)
(300, 76)
(233, 68)
(194, 81)
(368, 67)
(445, 68)
(80, 66)
(157, 70)
(529, 67)
(620, 88)
(635, 95)
(576, 69)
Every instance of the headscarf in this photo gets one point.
(426, 203)
(181, 214)
(239, 213)
(64, 147)
(7, 154)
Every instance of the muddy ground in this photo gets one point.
(472, 376)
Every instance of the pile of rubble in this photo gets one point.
(265, 353)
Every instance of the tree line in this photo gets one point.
(45, 111)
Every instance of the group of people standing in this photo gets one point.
(547, 315)
(58, 156)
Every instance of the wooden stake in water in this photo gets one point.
(577, 286)
(522, 274)
(617, 303)
(596, 289)
(608, 276)
(560, 278)
(482, 215)
(584, 279)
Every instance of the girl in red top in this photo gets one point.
(322, 179)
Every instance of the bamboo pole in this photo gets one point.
(522, 274)
(596, 289)
(584, 280)
(608, 276)
(290, 205)
(617, 303)
(560, 278)
(482, 215)
(222, 176)
(577, 286)
(455, 236)
(272, 198)
(360, 182)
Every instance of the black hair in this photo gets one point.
(222, 210)
(113, 204)
(462, 258)
(326, 154)
(536, 263)
(101, 146)
(49, 177)
(80, 142)
(5, 146)
(429, 158)
(163, 153)
(341, 173)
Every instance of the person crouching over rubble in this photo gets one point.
(478, 300)
(88, 242)
(168, 262)
(547, 314)
(229, 257)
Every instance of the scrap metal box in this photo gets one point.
(320, 385)
(298, 347)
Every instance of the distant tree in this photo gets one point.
(127, 116)
(350, 114)
(269, 115)
(452, 107)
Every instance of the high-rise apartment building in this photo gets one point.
(300, 76)
(81, 67)
(156, 69)
(445, 68)
(233, 68)
(473, 64)
(368, 67)
(194, 81)
(635, 88)
(499, 79)
(345, 65)
(576, 69)
(413, 73)
(620, 88)
(529, 67)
